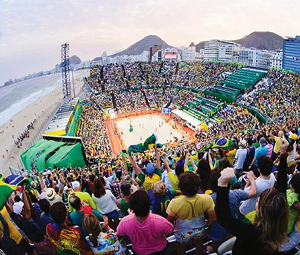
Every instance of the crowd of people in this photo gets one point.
(196, 75)
(143, 198)
(277, 97)
(25, 134)
(200, 192)
(92, 130)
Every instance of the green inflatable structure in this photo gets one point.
(49, 153)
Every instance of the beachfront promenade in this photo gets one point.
(40, 112)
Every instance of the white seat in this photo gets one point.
(226, 246)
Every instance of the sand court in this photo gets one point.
(143, 127)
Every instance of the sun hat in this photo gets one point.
(50, 193)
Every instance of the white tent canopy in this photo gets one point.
(191, 120)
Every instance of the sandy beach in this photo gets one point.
(41, 111)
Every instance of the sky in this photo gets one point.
(32, 31)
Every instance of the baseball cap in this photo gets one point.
(262, 141)
(17, 207)
(75, 184)
(150, 169)
(293, 137)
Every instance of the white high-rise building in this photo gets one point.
(189, 54)
(224, 51)
(211, 50)
(276, 61)
(255, 58)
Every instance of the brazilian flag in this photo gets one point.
(148, 144)
(5, 191)
(222, 143)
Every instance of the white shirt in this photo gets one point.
(107, 203)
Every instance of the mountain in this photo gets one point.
(262, 41)
(259, 40)
(142, 45)
(75, 60)
(200, 46)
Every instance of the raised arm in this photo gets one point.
(166, 164)
(226, 220)
(295, 154)
(41, 181)
(193, 164)
(27, 208)
(125, 165)
(282, 174)
(251, 180)
(158, 162)
(186, 160)
(136, 168)
(62, 185)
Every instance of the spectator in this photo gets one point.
(192, 211)
(84, 196)
(102, 243)
(65, 238)
(106, 202)
(269, 230)
(265, 181)
(77, 217)
(147, 231)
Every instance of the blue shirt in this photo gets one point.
(260, 152)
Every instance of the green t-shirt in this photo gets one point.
(292, 197)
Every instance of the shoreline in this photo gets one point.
(40, 110)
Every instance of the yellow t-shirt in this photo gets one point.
(13, 232)
(174, 181)
(186, 208)
(277, 144)
(230, 156)
(84, 196)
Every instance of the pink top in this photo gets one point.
(146, 237)
(270, 149)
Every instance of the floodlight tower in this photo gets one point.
(65, 72)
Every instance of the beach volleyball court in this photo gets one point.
(143, 127)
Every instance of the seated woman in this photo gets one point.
(106, 202)
(269, 230)
(102, 243)
(147, 231)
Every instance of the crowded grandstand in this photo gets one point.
(228, 183)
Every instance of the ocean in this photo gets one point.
(17, 96)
